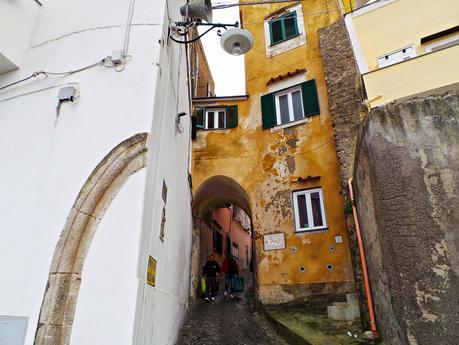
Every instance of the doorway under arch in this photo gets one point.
(222, 224)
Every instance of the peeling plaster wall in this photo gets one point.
(47, 159)
(407, 185)
(266, 162)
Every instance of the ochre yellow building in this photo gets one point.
(274, 155)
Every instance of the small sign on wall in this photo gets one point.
(274, 241)
(151, 271)
(12, 330)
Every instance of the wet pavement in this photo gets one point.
(227, 321)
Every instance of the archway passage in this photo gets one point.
(58, 308)
(222, 226)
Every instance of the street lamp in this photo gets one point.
(235, 41)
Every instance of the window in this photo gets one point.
(283, 28)
(235, 250)
(217, 117)
(290, 105)
(441, 40)
(397, 56)
(309, 210)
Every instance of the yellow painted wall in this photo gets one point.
(435, 72)
(401, 23)
(259, 161)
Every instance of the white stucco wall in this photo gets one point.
(46, 160)
(106, 304)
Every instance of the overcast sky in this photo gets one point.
(227, 70)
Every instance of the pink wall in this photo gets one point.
(229, 227)
(238, 235)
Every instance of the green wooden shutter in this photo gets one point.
(231, 116)
(268, 110)
(295, 18)
(200, 117)
(310, 98)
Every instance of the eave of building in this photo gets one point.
(211, 100)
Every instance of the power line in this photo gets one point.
(228, 5)
(46, 73)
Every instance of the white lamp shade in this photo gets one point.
(237, 41)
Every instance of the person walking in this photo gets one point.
(231, 269)
(211, 270)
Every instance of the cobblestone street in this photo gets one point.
(227, 322)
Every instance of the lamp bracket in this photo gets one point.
(183, 29)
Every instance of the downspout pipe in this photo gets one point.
(364, 263)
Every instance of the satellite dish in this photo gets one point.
(237, 41)
(201, 9)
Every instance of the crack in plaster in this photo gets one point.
(105, 27)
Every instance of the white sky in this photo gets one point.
(227, 70)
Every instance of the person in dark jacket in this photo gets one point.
(231, 270)
(211, 270)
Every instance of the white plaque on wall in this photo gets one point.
(12, 330)
(274, 241)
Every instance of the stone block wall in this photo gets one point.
(345, 104)
(344, 93)
(407, 184)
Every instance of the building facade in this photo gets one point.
(95, 209)
(226, 231)
(272, 153)
(400, 59)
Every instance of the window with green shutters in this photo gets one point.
(217, 117)
(290, 105)
(283, 28)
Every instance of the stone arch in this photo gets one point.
(218, 190)
(59, 303)
(215, 191)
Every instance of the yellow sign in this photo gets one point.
(151, 271)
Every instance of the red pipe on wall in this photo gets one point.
(364, 263)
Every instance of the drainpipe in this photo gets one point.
(364, 263)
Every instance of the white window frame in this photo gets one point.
(400, 55)
(307, 193)
(215, 111)
(291, 115)
(292, 43)
(442, 43)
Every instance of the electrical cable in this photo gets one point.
(218, 7)
(33, 75)
(47, 73)
(128, 27)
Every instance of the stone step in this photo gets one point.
(336, 312)
(352, 299)
(341, 304)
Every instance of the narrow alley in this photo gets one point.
(227, 321)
